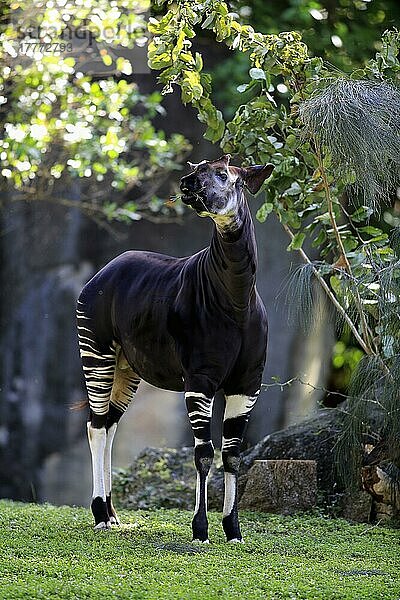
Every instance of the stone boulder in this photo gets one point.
(159, 478)
(281, 486)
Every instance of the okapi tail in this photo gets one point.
(79, 405)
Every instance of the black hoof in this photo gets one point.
(200, 528)
(231, 527)
(100, 513)
(111, 511)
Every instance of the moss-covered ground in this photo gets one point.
(49, 552)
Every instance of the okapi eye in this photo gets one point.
(223, 176)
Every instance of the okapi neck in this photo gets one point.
(231, 229)
(238, 242)
(233, 261)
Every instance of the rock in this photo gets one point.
(281, 486)
(356, 506)
(312, 439)
(160, 478)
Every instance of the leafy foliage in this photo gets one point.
(335, 147)
(341, 32)
(170, 51)
(61, 122)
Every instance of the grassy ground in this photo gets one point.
(48, 552)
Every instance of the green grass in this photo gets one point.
(49, 552)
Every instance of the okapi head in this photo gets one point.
(214, 188)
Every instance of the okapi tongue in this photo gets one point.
(187, 199)
(194, 201)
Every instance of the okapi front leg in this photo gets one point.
(237, 412)
(199, 409)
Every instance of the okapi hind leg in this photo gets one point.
(113, 417)
(98, 361)
(97, 437)
(237, 412)
(124, 388)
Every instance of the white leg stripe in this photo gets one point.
(97, 443)
(230, 492)
(238, 405)
(196, 395)
(107, 458)
(197, 505)
(199, 420)
(98, 356)
(204, 412)
(196, 508)
(200, 442)
(203, 409)
(228, 443)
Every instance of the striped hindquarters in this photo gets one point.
(126, 382)
(98, 364)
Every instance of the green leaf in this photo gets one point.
(257, 73)
(208, 20)
(297, 241)
(179, 45)
(320, 239)
(370, 230)
(124, 65)
(293, 190)
(107, 60)
(264, 211)
(199, 61)
(349, 244)
(361, 214)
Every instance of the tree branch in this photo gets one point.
(331, 295)
(367, 334)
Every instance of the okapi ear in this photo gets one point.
(225, 159)
(255, 176)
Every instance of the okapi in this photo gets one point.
(194, 324)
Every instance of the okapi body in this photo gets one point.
(194, 324)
